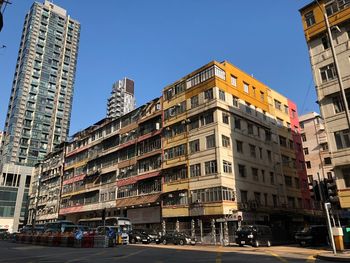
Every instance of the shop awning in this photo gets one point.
(138, 200)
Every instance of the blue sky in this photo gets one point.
(156, 42)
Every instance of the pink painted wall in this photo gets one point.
(299, 154)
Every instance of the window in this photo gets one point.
(250, 129)
(303, 137)
(331, 8)
(263, 175)
(272, 178)
(286, 109)
(207, 118)
(210, 141)
(246, 87)
(244, 196)
(255, 174)
(227, 167)
(262, 96)
(279, 122)
(194, 146)
(338, 104)
(241, 170)
(297, 183)
(234, 101)
(254, 91)
(225, 141)
(283, 141)
(211, 167)
(306, 151)
(325, 42)
(288, 180)
(248, 109)
(239, 145)
(327, 161)
(328, 72)
(294, 114)
(324, 146)
(309, 19)
(346, 176)
(252, 150)
(308, 164)
(274, 200)
(194, 102)
(195, 170)
(260, 153)
(208, 94)
(269, 156)
(342, 139)
(234, 80)
(213, 194)
(237, 123)
(222, 95)
(257, 197)
(225, 118)
(278, 105)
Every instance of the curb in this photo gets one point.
(333, 258)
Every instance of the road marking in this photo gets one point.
(85, 257)
(132, 254)
(278, 257)
(311, 259)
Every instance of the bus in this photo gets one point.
(123, 223)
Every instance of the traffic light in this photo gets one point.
(331, 190)
(315, 189)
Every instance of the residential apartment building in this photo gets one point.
(318, 160)
(326, 79)
(40, 104)
(45, 193)
(218, 143)
(122, 99)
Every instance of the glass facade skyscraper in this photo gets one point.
(39, 110)
(40, 105)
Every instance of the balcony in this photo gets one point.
(176, 186)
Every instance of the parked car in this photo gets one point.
(255, 235)
(312, 235)
(177, 238)
(154, 236)
(139, 236)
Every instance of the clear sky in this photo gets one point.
(156, 42)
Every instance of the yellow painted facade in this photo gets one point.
(319, 25)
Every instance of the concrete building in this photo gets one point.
(45, 191)
(40, 104)
(217, 144)
(325, 75)
(318, 160)
(122, 98)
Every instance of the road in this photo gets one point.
(23, 253)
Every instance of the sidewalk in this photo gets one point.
(339, 257)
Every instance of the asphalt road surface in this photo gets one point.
(23, 253)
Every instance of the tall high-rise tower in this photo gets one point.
(122, 99)
(40, 105)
